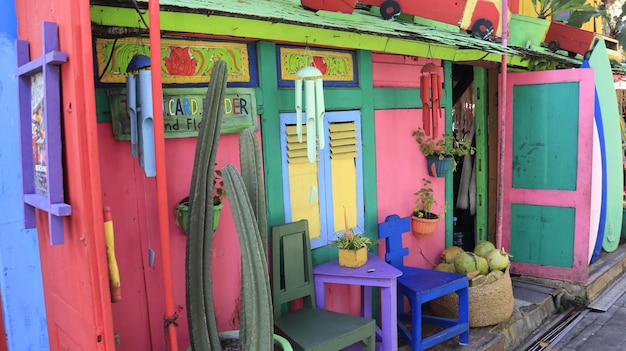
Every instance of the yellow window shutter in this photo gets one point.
(303, 184)
(343, 152)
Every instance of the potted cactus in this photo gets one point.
(256, 325)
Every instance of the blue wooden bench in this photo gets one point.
(420, 286)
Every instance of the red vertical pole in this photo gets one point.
(502, 129)
(161, 179)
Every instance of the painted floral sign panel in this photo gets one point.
(337, 67)
(38, 134)
(182, 61)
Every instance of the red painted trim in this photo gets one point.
(3, 334)
(161, 174)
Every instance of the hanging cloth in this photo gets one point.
(465, 197)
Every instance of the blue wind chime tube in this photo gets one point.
(131, 98)
(139, 91)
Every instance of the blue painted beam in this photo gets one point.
(24, 313)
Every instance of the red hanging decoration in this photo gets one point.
(430, 94)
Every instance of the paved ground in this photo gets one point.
(602, 331)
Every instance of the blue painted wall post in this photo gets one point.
(24, 313)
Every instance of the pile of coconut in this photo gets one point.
(484, 265)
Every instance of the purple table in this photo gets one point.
(375, 273)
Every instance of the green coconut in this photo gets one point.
(498, 259)
(466, 262)
(482, 265)
(483, 248)
(449, 254)
(446, 267)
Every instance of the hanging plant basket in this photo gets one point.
(421, 226)
(182, 215)
(439, 168)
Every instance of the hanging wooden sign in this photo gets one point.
(182, 111)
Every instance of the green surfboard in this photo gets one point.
(599, 61)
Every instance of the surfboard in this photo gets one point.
(605, 92)
(598, 182)
(596, 194)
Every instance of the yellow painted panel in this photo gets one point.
(296, 153)
(292, 130)
(343, 149)
(335, 127)
(303, 160)
(343, 135)
(295, 145)
(294, 138)
(350, 141)
(351, 155)
(304, 195)
(344, 193)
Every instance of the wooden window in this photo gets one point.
(327, 192)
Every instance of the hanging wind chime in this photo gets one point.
(315, 109)
(139, 102)
(430, 94)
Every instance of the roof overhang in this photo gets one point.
(288, 22)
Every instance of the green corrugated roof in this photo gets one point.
(359, 22)
(290, 11)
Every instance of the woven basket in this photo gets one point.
(489, 304)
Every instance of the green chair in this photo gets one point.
(308, 328)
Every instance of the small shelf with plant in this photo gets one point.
(441, 152)
(424, 220)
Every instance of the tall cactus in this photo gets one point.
(252, 173)
(200, 308)
(247, 203)
(256, 318)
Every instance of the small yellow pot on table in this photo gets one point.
(353, 258)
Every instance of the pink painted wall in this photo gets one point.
(132, 198)
(400, 165)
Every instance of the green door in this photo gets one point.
(548, 148)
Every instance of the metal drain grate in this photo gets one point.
(556, 332)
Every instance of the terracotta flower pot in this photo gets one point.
(423, 226)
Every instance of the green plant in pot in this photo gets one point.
(424, 220)
(181, 212)
(352, 249)
(441, 152)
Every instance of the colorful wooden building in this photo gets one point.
(370, 167)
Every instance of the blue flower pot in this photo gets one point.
(439, 168)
